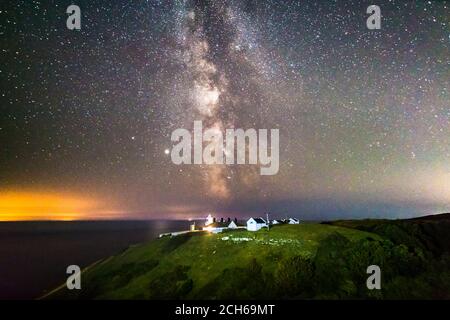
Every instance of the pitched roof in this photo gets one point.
(259, 220)
(236, 223)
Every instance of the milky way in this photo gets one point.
(364, 115)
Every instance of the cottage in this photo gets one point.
(209, 220)
(255, 224)
(235, 225)
(275, 221)
(293, 221)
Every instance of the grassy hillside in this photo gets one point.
(289, 261)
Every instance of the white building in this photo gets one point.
(275, 221)
(235, 225)
(209, 220)
(232, 225)
(254, 224)
(293, 221)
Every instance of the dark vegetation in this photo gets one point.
(414, 257)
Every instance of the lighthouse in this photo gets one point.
(209, 220)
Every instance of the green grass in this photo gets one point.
(203, 265)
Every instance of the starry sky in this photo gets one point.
(87, 115)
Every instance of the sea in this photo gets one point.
(34, 256)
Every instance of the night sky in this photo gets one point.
(86, 116)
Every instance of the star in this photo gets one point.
(363, 116)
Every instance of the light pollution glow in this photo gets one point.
(22, 206)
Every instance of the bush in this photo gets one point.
(174, 284)
(247, 282)
(294, 278)
(330, 267)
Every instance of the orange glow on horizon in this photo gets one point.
(29, 206)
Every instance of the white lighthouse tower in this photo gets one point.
(209, 220)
